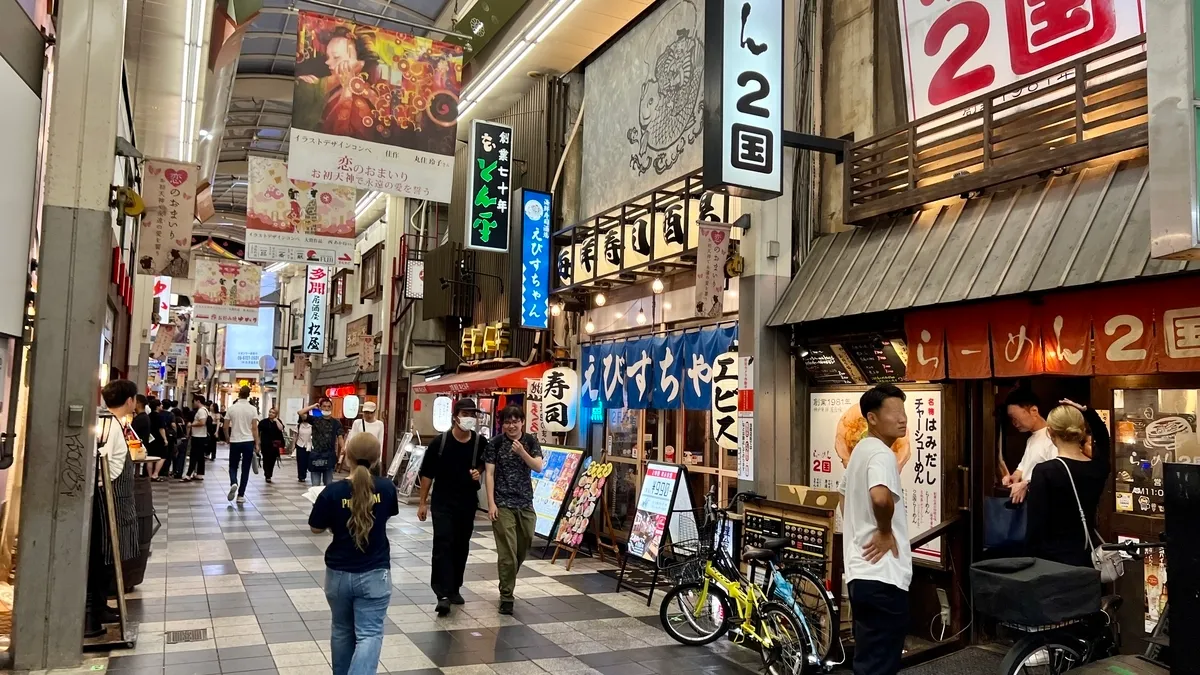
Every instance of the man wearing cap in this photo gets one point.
(367, 424)
(451, 471)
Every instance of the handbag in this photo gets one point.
(256, 464)
(1004, 524)
(1109, 564)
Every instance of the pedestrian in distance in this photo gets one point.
(199, 439)
(271, 442)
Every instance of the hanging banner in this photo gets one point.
(535, 259)
(1066, 330)
(534, 419)
(668, 372)
(969, 355)
(316, 303)
(164, 246)
(1016, 333)
(297, 221)
(162, 342)
(560, 390)
(725, 400)
(612, 375)
(374, 109)
(226, 291)
(181, 319)
(639, 373)
(1178, 315)
(697, 369)
(589, 394)
(745, 408)
(366, 352)
(488, 182)
(1123, 325)
(162, 299)
(710, 269)
(926, 333)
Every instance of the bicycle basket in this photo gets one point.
(689, 539)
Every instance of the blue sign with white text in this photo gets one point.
(535, 260)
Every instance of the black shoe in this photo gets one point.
(457, 599)
(443, 606)
(506, 607)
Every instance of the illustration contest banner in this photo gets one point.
(295, 220)
(165, 241)
(374, 109)
(226, 292)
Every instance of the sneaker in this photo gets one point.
(443, 606)
(268, 480)
(241, 500)
(232, 492)
(506, 607)
(457, 599)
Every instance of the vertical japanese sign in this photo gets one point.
(535, 259)
(226, 291)
(488, 182)
(743, 73)
(639, 373)
(316, 298)
(836, 426)
(746, 418)
(725, 400)
(297, 221)
(956, 51)
(560, 391)
(164, 245)
(162, 299)
(374, 109)
(710, 269)
(534, 417)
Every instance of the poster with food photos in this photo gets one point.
(551, 484)
(585, 498)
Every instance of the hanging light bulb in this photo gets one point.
(656, 285)
(589, 327)
(641, 317)
(601, 299)
(556, 308)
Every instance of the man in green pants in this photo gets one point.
(510, 459)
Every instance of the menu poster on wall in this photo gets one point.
(829, 364)
(881, 361)
(836, 425)
(584, 499)
(1150, 426)
(664, 497)
(551, 485)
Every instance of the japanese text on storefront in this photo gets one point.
(488, 186)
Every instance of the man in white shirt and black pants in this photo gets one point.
(875, 543)
(241, 428)
(1022, 407)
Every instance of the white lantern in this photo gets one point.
(560, 399)
(443, 417)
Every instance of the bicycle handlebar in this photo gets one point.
(1134, 550)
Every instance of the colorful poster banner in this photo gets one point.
(297, 221)
(535, 259)
(226, 291)
(551, 485)
(710, 269)
(374, 109)
(164, 246)
(584, 500)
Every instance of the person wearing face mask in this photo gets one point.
(451, 471)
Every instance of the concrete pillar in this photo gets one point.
(390, 356)
(73, 281)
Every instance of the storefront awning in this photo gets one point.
(1086, 227)
(482, 380)
(345, 371)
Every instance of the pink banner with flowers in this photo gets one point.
(226, 291)
(297, 221)
(165, 238)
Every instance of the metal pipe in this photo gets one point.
(381, 17)
(563, 160)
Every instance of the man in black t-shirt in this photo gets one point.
(452, 466)
(510, 458)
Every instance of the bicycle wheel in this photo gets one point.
(1042, 655)
(786, 655)
(695, 613)
(819, 611)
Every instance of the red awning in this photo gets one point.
(480, 380)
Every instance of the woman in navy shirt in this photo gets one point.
(358, 583)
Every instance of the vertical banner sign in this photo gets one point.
(488, 181)
(226, 291)
(534, 419)
(297, 221)
(746, 418)
(956, 51)
(725, 401)
(366, 352)
(710, 269)
(535, 259)
(165, 241)
(743, 98)
(443, 409)
(374, 109)
(639, 373)
(181, 319)
(560, 391)
(316, 294)
(414, 279)
(162, 299)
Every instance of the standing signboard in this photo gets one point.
(662, 507)
(416, 458)
(725, 401)
(164, 245)
(535, 259)
(488, 183)
(552, 485)
(316, 298)
(297, 221)
(743, 97)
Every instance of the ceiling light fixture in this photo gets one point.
(556, 309)
(641, 317)
(657, 285)
(275, 268)
(601, 299)
(365, 202)
(189, 88)
(589, 327)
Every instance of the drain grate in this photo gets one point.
(175, 637)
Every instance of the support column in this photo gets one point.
(73, 280)
(391, 347)
(767, 250)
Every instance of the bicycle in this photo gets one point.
(1051, 650)
(707, 580)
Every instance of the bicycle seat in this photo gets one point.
(755, 554)
(776, 543)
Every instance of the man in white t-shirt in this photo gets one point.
(241, 428)
(199, 439)
(368, 423)
(875, 543)
(1023, 412)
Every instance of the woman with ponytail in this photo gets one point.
(358, 584)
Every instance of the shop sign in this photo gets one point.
(612, 375)
(297, 221)
(414, 280)
(316, 295)
(560, 390)
(746, 418)
(927, 343)
(589, 395)
(956, 51)
(664, 497)
(743, 71)
(1151, 427)
(564, 266)
(162, 299)
(836, 426)
(443, 408)
(710, 269)
(725, 400)
(534, 423)
(374, 109)
(355, 331)
(535, 259)
(488, 183)
(639, 373)
(164, 245)
(226, 291)
(1017, 337)
(668, 372)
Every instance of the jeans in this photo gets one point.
(240, 453)
(359, 603)
(320, 476)
(301, 463)
(880, 624)
(452, 528)
(514, 533)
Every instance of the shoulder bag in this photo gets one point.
(1108, 563)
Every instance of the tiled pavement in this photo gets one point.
(251, 576)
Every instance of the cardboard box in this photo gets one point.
(810, 497)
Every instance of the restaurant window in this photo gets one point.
(371, 282)
(337, 299)
(621, 433)
(1150, 427)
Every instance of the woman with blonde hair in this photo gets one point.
(1065, 492)
(358, 582)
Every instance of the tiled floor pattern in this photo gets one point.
(252, 574)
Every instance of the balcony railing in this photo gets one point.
(1086, 109)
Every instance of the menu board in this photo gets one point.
(664, 497)
(1149, 427)
(402, 449)
(584, 499)
(881, 361)
(550, 486)
(415, 458)
(829, 364)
